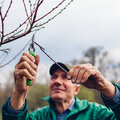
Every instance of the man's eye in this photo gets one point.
(53, 76)
(64, 76)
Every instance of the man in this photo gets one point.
(63, 89)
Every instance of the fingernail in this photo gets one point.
(35, 73)
(77, 82)
(35, 66)
(33, 78)
(73, 80)
(68, 77)
(77, 85)
(82, 81)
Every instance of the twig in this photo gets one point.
(16, 55)
(2, 32)
(19, 27)
(50, 11)
(7, 10)
(55, 15)
(34, 17)
(26, 10)
(9, 37)
(43, 50)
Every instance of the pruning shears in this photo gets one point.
(31, 50)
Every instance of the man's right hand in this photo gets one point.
(25, 68)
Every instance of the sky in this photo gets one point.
(84, 24)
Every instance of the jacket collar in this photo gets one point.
(80, 104)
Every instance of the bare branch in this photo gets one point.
(30, 24)
(2, 32)
(18, 27)
(7, 10)
(5, 50)
(26, 11)
(34, 17)
(43, 50)
(37, 29)
(12, 38)
(54, 15)
(16, 55)
(50, 11)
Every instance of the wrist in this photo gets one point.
(108, 90)
(17, 99)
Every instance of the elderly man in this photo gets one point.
(63, 105)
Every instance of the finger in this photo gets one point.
(19, 73)
(26, 59)
(29, 56)
(25, 65)
(37, 59)
(80, 76)
(69, 75)
(85, 77)
(20, 84)
(75, 74)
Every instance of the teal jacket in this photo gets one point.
(84, 110)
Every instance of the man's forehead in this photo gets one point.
(55, 67)
(59, 71)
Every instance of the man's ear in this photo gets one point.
(77, 89)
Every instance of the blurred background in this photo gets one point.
(86, 31)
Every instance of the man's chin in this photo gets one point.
(57, 98)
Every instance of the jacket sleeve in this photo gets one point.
(39, 114)
(20, 116)
(113, 105)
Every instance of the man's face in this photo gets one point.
(61, 89)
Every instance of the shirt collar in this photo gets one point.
(71, 107)
(79, 104)
(51, 102)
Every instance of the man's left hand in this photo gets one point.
(90, 77)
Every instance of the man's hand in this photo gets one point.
(25, 68)
(91, 77)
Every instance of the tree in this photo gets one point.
(92, 53)
(32, 20)
(30, 23)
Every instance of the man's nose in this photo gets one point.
(58, 81)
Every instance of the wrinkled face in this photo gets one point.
(61, 89)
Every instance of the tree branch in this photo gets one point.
(2, 32)
(26, 10)
(54, 15)
(50, 11)
(15, 55)
(31, 19)
(7, 10)
(12, 38)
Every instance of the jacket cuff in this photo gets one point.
(9, 116)
(115, 100)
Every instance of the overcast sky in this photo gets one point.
(84, 24)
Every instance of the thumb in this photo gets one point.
(37, 59)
